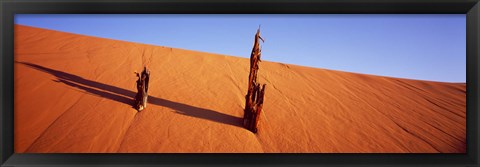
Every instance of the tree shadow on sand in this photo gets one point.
(126, 96)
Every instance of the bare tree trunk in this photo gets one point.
(255, 94)
(142, 90)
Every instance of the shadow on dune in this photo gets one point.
(126, 96)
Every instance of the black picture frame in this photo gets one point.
(9, 8)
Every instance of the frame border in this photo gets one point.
(9, 8)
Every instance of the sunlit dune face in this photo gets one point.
(74, 94)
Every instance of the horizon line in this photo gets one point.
(237, 56)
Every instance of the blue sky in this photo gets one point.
(425, 47)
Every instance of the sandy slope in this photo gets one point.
(73, 94)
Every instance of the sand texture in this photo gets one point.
(73, 94)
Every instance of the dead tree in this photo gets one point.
(255, 93)
(140, 102)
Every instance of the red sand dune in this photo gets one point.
(73, 94)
